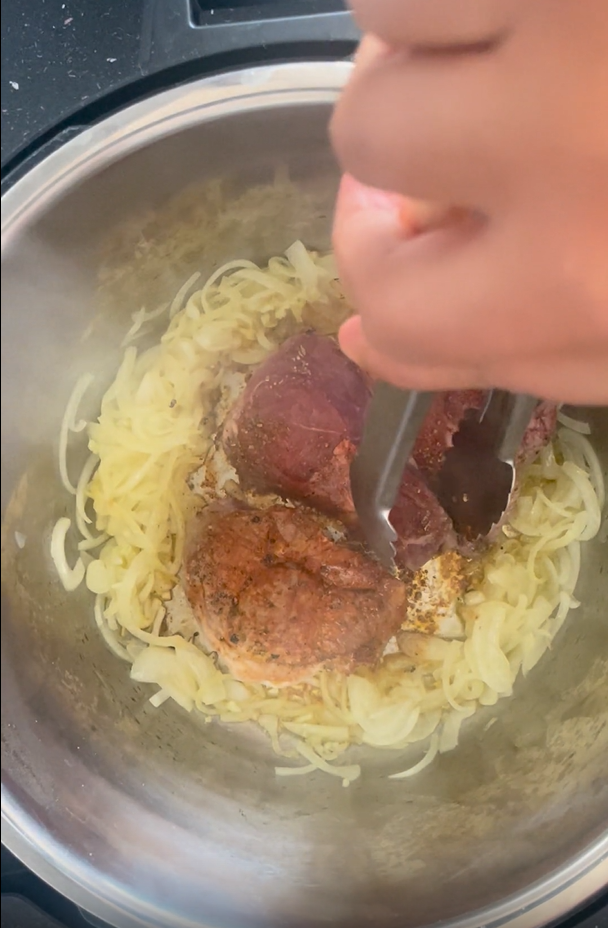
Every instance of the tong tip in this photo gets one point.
(381, 538)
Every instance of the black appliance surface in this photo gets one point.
(67, 64)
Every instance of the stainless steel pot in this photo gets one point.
(143, 816)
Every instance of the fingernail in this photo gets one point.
(414, 216)
(349, 339)
(355, 196)
(360, 196)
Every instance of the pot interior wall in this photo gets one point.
(153, 806)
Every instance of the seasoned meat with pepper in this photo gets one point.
(442, 422)
(423, 527)
(278, 599)
(295, 428)
(295, 431)
(539, 432)
(445, 417)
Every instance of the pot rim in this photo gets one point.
(113, 138)
(162, 115)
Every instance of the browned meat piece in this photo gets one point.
(277, 599)
(444, 419)
(423, 526)
(539, 432)
(295, 431)
(295, 428)
(442, 422)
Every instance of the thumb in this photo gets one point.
(388, 218)
(378, 214)
(381, 253)
(411, 376)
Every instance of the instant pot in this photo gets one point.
(116, 813)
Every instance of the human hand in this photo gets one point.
(498, 111)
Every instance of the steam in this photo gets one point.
(48, 304)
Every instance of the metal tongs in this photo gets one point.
(477, 477)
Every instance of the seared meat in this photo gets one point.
(446, 415)
(442, 422)
(296, 426)
(277, 599)
(423, 526)
(295, 430)
(437, 433)
(539, 432)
